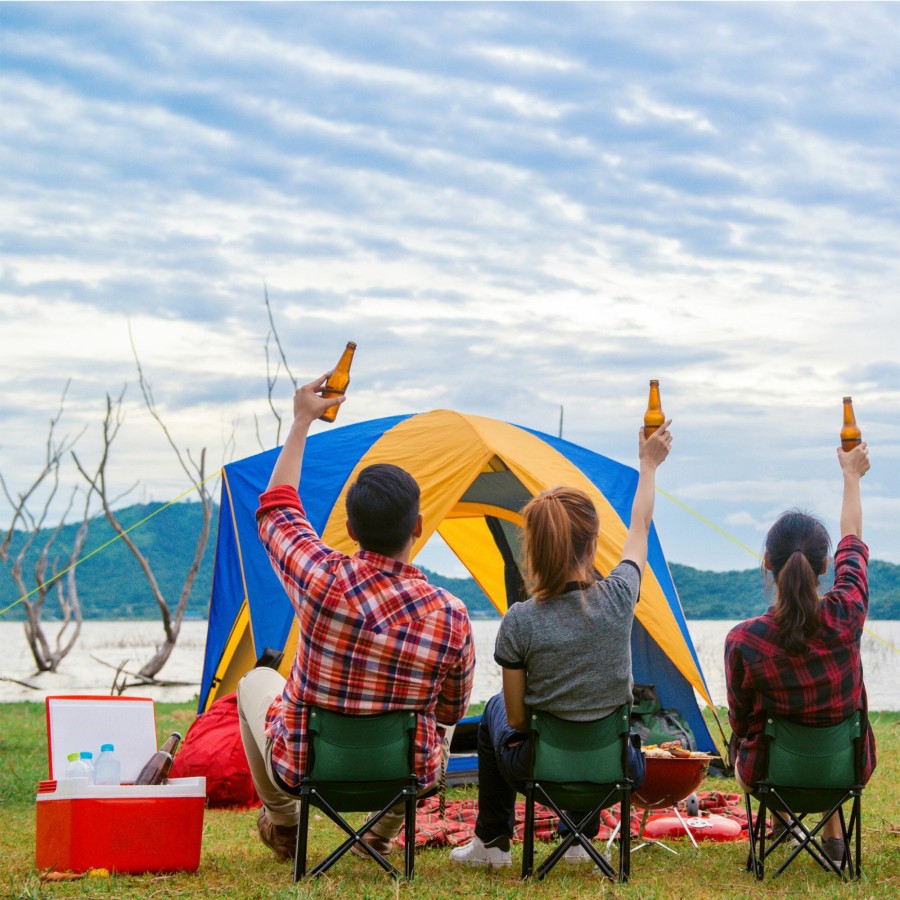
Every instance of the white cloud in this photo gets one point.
(524, 57)
(557, 204)
(642, 108)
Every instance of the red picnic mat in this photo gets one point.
(458, 825)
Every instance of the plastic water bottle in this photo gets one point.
(78, 767)
(88, 759)
(108, 769)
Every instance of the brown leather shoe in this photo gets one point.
(280, 839)
(382, 845)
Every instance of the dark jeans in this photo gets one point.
(502, 770)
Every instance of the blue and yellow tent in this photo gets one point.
(475, 475)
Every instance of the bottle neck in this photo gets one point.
(849, 417)
(345, 360)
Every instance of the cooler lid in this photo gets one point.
(84, 723)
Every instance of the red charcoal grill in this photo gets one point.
(667, 782)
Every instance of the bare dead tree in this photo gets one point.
(49, 566)
(272, 377)
(172, 616)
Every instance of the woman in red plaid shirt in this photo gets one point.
(800, 660)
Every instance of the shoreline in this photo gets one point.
(107, 644)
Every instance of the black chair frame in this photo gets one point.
(781, 801)
(552, 794)
(808, 839)
(538, 792)
(313, 792)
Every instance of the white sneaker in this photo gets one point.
(576, 855)
(476, 854)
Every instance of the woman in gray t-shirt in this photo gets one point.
(566, 650)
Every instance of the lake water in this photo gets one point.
(102, 646)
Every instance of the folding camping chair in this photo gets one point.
(810, 769)
(579, 765)
(356, 764)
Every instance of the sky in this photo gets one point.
(511, 208)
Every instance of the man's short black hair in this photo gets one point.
(382, 507)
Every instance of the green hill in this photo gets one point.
(741, 594)
(111, 585)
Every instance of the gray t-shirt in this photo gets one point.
(575, 648)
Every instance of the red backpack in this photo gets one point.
(212, 748)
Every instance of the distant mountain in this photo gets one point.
(111, 585)
(742, 594)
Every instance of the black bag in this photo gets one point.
(656, 725)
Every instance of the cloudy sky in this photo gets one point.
(509, 207)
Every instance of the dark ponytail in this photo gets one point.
(797, 549)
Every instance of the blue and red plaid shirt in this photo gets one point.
(373, 636)
(822, 686)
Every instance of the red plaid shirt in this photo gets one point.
(373, 636)
(823, 686)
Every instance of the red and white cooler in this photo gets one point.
(125, 828)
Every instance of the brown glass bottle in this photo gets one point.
(156, 769)
(654, 417)
(338, 381)
(851, 436)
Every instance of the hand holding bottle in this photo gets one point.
(311, 404)
(653, 450)
(855, 462)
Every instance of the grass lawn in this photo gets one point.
(235, 864)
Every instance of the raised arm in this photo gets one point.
(308, 406)
(854, 464)
(652, 452)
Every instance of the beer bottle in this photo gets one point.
(338, 381)
(156, 769)
(851, 436)
(654, 417)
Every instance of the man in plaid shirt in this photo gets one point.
(373, 634)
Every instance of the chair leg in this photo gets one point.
(528, 838)
(851, 834)
(625, 838)
(302, 838)
(757, 831)
(410, 848)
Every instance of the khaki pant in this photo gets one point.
(255, 693)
